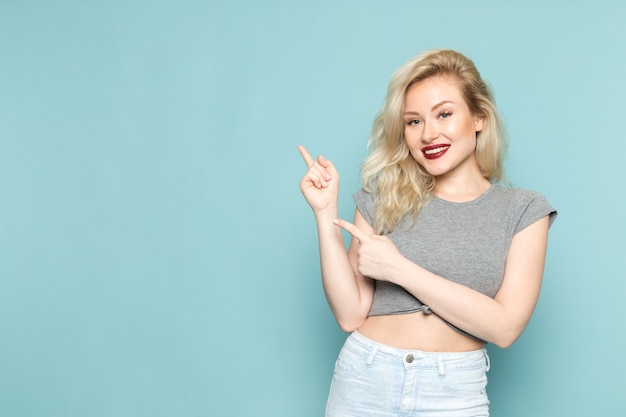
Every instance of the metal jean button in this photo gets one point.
(409, 358)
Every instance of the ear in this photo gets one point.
(479, 123)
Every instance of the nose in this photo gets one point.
(429, 132)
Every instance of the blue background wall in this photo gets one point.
(156, 256)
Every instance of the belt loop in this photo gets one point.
(370, 358)
(487, 360)
(440, 365)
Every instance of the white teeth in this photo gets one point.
(436, 150)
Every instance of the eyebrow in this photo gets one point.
(435, 107)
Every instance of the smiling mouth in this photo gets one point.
(435, 152)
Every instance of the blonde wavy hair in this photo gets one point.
(402, 185)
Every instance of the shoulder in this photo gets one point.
(364, 199)
(365, 202)
(503, 190)
(525, 206)
(515, 195)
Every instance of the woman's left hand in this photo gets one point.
(377, 255)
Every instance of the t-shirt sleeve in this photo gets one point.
(365, 203)
(533, 206)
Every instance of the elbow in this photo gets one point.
(349, 325)
(506, 338)
(504, 343)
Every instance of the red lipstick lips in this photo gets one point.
(435, 151)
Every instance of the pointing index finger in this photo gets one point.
(308, 159)
(357, 233)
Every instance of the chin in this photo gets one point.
(436, 171)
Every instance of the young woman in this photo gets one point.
(443, 258)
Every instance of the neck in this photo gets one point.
(462, 188)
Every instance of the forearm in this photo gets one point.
(345, 291)
(465, 308)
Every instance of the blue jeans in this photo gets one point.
(372, 379)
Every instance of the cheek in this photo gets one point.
(408, 135)
(471, 144)
(412, 134)
(455, 130)
(418, 157)
(410, 139)
(412, 143)
(463, 133)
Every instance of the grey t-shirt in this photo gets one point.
(464, 242)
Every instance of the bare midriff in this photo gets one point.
(417, 331)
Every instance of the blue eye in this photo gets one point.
(412, 122)
(445, 114)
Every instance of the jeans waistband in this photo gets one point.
(371, 349)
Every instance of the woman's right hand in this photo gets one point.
(320, 185)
